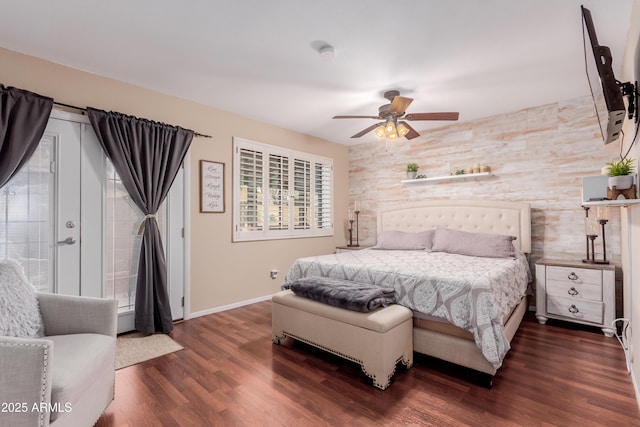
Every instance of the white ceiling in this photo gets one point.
(257, 57)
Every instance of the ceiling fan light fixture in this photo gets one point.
(402, 130)
(380, 131)
(390, 128)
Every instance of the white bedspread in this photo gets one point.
(473, 293)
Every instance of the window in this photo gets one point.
(280, 193)
(26, 227)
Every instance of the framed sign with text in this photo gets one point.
(211, 187)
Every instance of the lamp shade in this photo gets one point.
(390, 128)
(402, 130)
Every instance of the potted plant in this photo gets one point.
(620, 173)
(412, 170)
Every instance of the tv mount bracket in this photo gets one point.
(630, 90)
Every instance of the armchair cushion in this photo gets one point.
(81, 360)
(19, 312)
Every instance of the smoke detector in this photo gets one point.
(327, 52)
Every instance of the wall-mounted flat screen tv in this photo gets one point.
(605, 89)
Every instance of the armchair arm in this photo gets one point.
(67, 314)
(25, 381)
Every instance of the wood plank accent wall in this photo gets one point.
(538, 155)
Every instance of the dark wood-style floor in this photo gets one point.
(230, 373)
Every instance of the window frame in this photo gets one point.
(291, 231)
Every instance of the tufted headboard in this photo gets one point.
(476, 216)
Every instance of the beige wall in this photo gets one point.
(538, 155)
(222, 273)
(632, 249)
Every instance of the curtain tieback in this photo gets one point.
(144, 220)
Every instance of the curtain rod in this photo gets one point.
(84, 110)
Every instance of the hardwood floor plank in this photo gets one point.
(231, 374)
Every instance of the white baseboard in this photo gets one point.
(227, 307)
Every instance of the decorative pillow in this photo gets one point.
(400, 240)
(19, 311)
(473, 244)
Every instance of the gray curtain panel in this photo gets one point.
(147, 155)
(23, 118)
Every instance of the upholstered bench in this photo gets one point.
(376, 340)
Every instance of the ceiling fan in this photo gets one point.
(394, 120)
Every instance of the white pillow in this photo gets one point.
(19, 310)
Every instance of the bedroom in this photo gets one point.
(216, 283)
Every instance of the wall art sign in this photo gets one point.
(211, 187)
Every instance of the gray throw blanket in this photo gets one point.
(346, 294)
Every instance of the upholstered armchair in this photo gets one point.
(66, 377)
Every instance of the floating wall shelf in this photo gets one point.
(447, 177)
(611, 203)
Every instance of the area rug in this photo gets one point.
(134, 348)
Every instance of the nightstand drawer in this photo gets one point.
(574, 308)
(574, 276)
(571, 290)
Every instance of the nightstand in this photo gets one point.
(346, 248)
(576, 292)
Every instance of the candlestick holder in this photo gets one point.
(351, 233)
(357, 227)
(590, 239)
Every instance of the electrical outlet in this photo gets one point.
(274, 274)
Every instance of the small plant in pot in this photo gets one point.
(412, 170)
(620, 174)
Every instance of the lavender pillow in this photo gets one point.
(473, 244)
(401, 240)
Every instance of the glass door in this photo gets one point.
(67, 219)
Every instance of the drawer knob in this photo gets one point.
(573, 291)
(572, 276)
(573, 309)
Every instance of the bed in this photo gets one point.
(466, 308)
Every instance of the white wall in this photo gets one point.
(631, 249)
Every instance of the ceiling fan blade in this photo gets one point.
(365, 131)
(356, 117)
(399, 104)
(412, 132)
(432, 116)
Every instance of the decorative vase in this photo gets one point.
(411, 175)
(622, 182)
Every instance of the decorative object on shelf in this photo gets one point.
(412, 170)
(621, 179)
(459, 172)
(421, 176)
(594, 226)
(355, 211)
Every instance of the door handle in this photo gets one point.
(67, 241)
